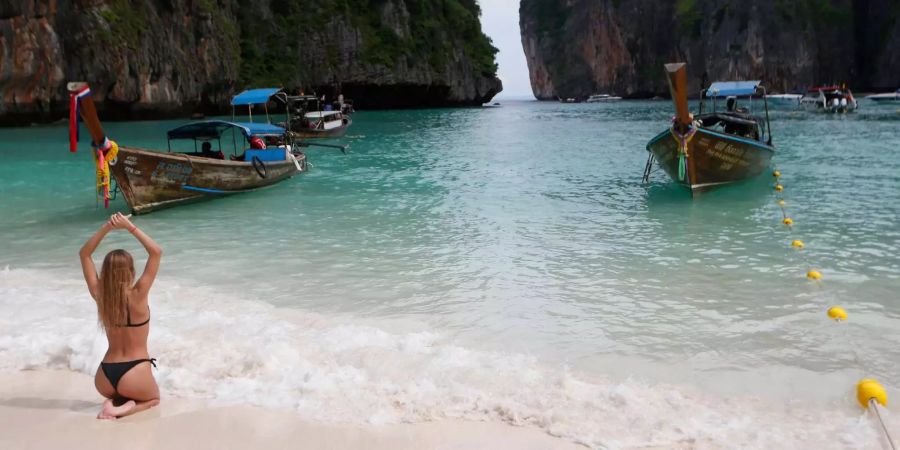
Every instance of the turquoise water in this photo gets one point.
(523, 230)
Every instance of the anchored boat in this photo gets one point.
(713, 148)
(792, 100)
(263, 154)
(602, 98)
(889, 97)
(830, 99)
(320, 124)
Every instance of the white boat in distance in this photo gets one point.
(831, 99)
(889, 97)
(784, 99)
(600, 98)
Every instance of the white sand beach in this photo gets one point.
(57, 409)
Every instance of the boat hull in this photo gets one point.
(150, 181)
(714, 159)
(336, 132)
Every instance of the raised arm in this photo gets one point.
(153, 250)
(87, 262)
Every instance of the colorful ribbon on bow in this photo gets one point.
(74, 116)
(683, 141)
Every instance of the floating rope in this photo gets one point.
(873, 404)
(869, 392)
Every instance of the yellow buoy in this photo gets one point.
(779, 187)
(776, 174)
(781, 202)
(814, 275)
(788, 221)
(797, 243)
(837, 313)
(869, 388)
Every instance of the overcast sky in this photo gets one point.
(500, 21)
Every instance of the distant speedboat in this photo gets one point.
(567, 100)
(713, 148)
(784, 99)
(831, 99)
(601, 98)
(890, 97)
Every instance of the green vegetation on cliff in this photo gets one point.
(390, 33)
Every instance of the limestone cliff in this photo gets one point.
(156, 58)
(575, 48)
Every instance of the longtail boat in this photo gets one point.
(151, 180)
(304, 117)
(320, 124)
(715, 148)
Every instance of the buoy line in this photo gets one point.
(869, 392)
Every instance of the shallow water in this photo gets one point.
(502, 264)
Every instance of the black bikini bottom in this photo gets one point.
(115, 370)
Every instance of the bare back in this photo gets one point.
(129, 340)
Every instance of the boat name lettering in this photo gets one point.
(133, 171)
(175, 172)
(131, 160)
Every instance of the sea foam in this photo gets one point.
(217, 346)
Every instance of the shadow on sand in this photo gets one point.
(48, 403)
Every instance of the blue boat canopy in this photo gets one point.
(213, 129)
(254, 96)
(728, 88)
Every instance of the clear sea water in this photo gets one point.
(497, 264)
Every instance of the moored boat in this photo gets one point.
(715, 148)
(889, 97)
(830, 99)
(152, 180)
(792, 100)
(602, 98)
(320, 124)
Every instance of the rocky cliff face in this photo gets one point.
(575, 48)
(146, 58)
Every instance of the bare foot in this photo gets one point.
(118, 411)
(104, 413)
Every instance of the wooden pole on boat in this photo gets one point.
(88, 113)
(677, 76)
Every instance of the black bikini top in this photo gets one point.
(133, 325)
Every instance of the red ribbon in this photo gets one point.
(73, 123)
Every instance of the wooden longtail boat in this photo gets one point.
(321, 124)
(716, 148)
(304, 119)
(151, 180)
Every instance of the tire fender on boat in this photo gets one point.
(260, 167)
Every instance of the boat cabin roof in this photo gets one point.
(729, 88)
(254, 96)
(321, 114)
(213, 129)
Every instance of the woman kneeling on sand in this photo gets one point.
(124, 376)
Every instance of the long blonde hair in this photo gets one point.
(116, 276)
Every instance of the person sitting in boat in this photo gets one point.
(206, 151)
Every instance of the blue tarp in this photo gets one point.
(212, 129)
(727, 88)
(254, 96)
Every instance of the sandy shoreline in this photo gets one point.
(57, 409)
